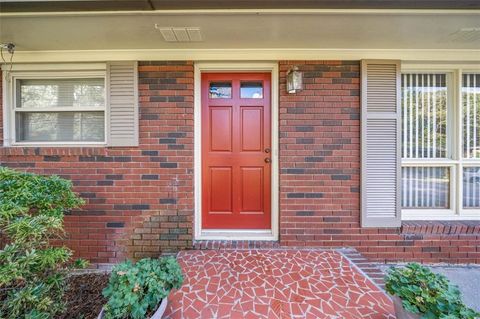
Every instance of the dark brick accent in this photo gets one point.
(104, 183)
(305, 213)
(167, 141)
(168, 165)
(51, 158)
(150, 153)
(115, 225)
(140, 206)
(329, 219)
(304, 128)
(341, 177)
(313, 195)
(88, 195)
(314, 159)
(168, 201)
(177, 134)
(150, 177)
(114, 177)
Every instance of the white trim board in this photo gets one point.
(260, 54)
(290, 11)
(230, 234)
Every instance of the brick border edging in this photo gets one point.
(366, 267)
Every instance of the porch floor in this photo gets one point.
(277, 283)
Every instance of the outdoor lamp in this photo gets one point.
(294, 80)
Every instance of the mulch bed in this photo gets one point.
(83, 295)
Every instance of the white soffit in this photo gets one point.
(236, 35)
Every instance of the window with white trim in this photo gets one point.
(441, 145)
(59, 109)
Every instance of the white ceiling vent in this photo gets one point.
(182, 34)
(465, 35)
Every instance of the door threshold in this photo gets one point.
(236, 234)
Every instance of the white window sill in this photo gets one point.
(439, 215)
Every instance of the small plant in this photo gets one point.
(426, 293)
(32, 271)
(134, 290)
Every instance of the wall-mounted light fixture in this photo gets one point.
(294, 80)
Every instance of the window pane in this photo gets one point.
(471, 187)
(471, 115)
(60, 126)
(424, 115)
(41, 93)
(220, 90)
(251, 90)
(425, 187)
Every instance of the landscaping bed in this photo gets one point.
(83, 295)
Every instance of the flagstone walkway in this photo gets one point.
(277, 283)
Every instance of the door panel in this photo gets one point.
(252, 128)
(236, 144)
(252, 190)
(221, 129)
(221, 190)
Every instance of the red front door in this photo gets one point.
(236, 151)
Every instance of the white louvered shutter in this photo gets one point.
(123, 104)
(381, 123)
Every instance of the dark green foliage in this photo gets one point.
(134, 290)
(426, 293)
(31, 270)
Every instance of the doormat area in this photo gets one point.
(275, 283)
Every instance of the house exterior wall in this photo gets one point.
(140, 200)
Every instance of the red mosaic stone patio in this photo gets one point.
(274, 284)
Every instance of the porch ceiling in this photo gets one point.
(146, 5)
(301, 29)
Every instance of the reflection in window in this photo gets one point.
(251, 90)
(471, 115)
(471, 187)
(425, 187)
(220, 90)
(424, 115)
(60, 126)
(44, 93)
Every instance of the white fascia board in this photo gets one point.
(245, 55)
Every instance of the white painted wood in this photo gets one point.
(380, 173)
(122, 94)
(45, 71)
(199, 233)
(260, 54)
(455, 158)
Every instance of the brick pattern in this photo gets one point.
(320, 176)
(139, 200)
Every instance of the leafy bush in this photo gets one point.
(31, 270)
(426, 293)
(134, 290)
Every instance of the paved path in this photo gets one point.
(274, 284)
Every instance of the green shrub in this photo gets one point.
(31, 269)
(426, 293)
(134, 290)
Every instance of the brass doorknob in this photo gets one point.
(268, 160)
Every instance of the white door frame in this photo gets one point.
(233, 234)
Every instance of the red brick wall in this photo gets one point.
(139, 200)
(320, 176)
